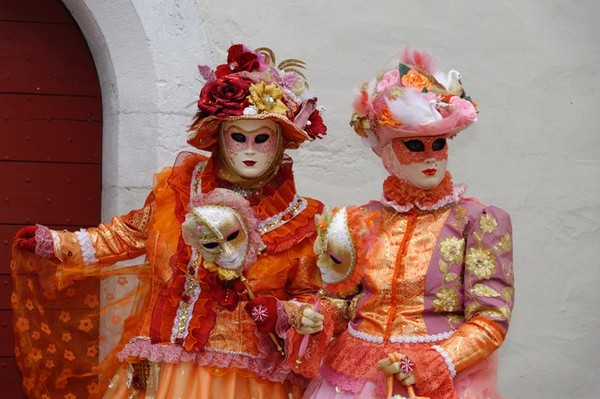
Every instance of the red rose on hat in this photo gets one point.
(239, 59)
(225, 96)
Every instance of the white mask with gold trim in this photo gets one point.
(218, 233)
(335, 249)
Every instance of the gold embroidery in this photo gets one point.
(452, 249)
(504, 245)
(481, 262)
(460, 212)
(488, 224)
(446, 300)
(482, 290)
(508, 293)
(450, 277)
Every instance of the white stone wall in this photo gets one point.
(532, 67)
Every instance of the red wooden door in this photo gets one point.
(50, 138)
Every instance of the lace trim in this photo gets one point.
(400, 339)
(270, 366)
(185, 309)
(44, 243)
(457, 192)
(88, 252)
(447, 359)
(296, 206)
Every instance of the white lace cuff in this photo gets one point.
(447, 359)
(88, 252)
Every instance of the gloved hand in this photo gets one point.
(25, 238)
(307, 320)
(400, 367)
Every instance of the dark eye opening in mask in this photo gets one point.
(261, 138)
(239, 137)
(414, 145)
(438, 145)
(210, 245)
(335, 260)
(233, 235)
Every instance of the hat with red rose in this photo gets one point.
(412, 99)
(251, 86)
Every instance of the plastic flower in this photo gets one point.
(225, 97)
(415, 79)
(446, 300)
(315, 126)
(266, 98)
(481, 262)
(452, 249)
(239, 58)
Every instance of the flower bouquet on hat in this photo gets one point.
(412, 99)
(252, 86)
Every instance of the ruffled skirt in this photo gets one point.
(191, 381)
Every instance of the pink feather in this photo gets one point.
(421, 59)
(361, 104)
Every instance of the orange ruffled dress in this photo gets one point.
(436, 284)
(161, 319)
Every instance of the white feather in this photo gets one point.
(412, 109)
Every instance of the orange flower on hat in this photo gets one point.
(266, 98)
(415, 79)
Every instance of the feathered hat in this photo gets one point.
(251, 86)
(412, 99)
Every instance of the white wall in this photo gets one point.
(532, 66)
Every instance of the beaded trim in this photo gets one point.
(185, 310)
(196, 179)
(400, 339)
(447, 359)
(225, 352)
(297, 205)
(88, 251)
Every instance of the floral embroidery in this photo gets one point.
(259, 313)
(446, 300)
(483, 290)
(488, 224)
(481, 262)
(452, 249)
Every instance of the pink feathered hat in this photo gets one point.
(410, 100)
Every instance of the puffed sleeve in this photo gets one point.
(488, 290)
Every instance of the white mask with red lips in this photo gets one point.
(420, 162)
(251, 146)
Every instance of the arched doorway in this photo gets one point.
(50, 137)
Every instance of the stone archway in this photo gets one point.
(146, 54)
